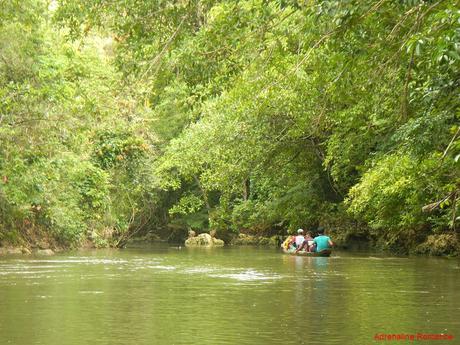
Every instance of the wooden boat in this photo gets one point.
(323, 253)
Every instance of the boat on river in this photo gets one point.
(323, 253)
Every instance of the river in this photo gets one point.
(237, 295)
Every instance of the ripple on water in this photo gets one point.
(83, 260)
(26, 272)
(198, 270)
(248, 275)
(250, 299)
(163, 267)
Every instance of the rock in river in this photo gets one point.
(203, 240)
(44, 252)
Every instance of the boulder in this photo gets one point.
(439, 245)
(244, 239)
(217, 242)
(203, 240)
(14, 250)
(44, 252)
(26, 251)
(251, 240)
(43, 244)
(5, 250)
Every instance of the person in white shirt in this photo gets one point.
(299, 238)
(307, 244)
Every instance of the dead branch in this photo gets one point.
(433, 206)
(158, 57)
(450, 144)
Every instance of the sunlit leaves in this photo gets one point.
(274, 112)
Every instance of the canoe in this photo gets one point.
(323, 253)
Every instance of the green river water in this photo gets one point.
(166, 295)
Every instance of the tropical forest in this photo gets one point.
(150, 119)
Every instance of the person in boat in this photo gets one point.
(298, 241)
(288, 242)
(294, 242)
(307, 244)
(322, 241)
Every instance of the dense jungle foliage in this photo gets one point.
(122, 117)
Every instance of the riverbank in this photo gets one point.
(25, 251)
(434, 245)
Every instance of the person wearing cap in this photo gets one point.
(299, 238)
(322, 241)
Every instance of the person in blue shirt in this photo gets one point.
(322, 241)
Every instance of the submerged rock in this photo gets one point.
(203, 240)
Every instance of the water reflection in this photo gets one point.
(227, 296)
(320, 263)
